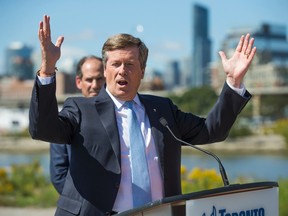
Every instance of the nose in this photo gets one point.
(122, 70)
(94, 83)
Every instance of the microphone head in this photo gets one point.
(163, 121)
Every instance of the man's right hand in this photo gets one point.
(50, 52)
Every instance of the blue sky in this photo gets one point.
(164, 25)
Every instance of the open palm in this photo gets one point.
(50, 52)
(237, 66)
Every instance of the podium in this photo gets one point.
(251, 199)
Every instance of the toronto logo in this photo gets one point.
(214, 213)
(244, 212)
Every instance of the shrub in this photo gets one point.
(280, 127)
(283, 196)
(26, 185)
(200, 179)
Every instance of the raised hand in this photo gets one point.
(237, 66)
(50, 52)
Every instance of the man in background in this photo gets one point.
(89, 80)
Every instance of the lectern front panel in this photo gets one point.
(262, 202)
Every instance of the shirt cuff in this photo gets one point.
(241, 91)
(46, 80)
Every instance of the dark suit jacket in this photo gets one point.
(60, 155)
(89, 124)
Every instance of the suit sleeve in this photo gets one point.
(216, 126)
(59, 164)
(45, 122)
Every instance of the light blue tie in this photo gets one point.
(141, 188)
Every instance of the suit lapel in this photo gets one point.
(105, 108)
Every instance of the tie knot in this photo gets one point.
(129, 104)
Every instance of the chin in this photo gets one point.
(93, 94)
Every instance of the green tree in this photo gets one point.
(200, 101)
(197, 100)
(280, 127)
(274, 105)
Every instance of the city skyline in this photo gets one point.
(166, 27)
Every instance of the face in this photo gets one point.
(92, 79)
(123, 73)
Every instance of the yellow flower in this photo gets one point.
(3, 173)
(195, 174)
(8, 187)
(183, 170)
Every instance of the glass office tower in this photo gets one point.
(201, 46)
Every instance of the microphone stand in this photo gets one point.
(221, 167)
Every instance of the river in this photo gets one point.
(268, 167)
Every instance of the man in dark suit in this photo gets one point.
(89, 80)
(100, 178)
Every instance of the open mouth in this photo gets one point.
(122, 83)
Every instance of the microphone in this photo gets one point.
(221, 167)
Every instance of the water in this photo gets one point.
(257, 166)
(7, 159)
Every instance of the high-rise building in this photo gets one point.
(185, 76)
(201, 46)
(18, 61)
(172, 75)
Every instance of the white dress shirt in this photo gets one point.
(124, 199)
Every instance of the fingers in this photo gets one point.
(59, 41)
(40, 30)
(245, 46)
(46, 26)
(240, 44)
(252, 54)
(222, 55)
(44, 33)
(249, 47)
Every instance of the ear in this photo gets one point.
(143, 72)
(105, 73)
(78, 82)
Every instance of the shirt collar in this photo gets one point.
(119, 103)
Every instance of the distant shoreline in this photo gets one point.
(22, 145)
(263, 143)
(251, 144)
